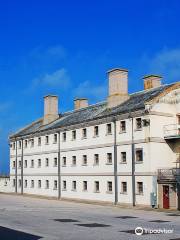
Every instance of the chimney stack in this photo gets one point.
(80, 103)
(152, 81)
(118, 86)
(50, 109)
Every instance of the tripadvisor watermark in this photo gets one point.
(140, 231)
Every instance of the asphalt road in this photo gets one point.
(29, 218)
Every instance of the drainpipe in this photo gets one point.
(16, 168)
(133, 163)
(22, 168)
(59, 166)
(115, 165)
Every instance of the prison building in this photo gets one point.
(123, 151)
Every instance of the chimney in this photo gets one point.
(118, 86)
(152, 81)
(80, 103)
(50, 109)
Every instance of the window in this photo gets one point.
(14, 145)
(138, 123)
(84, 133)
(73, 185)
(47, 140)
(64, 136)
(25, 183)
(64, 161)
(124, 187)
(64, 185)
(39, 141)
(55, 184)
(96, 159)
(39, 183)
(32, 183)
(96, 186)
(84, 185)
(14, 164)
(123, 126)
(96, 131)
(19, 182)
(25, 164)
(32, 142)
(74, 160)
(47, 162)
(178, 119)
(84, 160)
(55, 162)
(19, 164)
(139, 155)
(109, 186)
(139, 187)
(55, 138)
(109, 158)
(74, 135)
(108, 128)
(14, 182)
(123, 157)
(47, 184)
(32, 163)
(19, 144)
(25, 143)
(39, 162)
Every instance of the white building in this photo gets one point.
(115, 151)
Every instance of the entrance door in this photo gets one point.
(166, 196)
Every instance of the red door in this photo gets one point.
(166, 196)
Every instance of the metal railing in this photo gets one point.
(171, 130)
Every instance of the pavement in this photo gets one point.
(29, 218)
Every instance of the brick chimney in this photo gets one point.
(50, 109)
(152, 81)
(80, 103)
(118, 86)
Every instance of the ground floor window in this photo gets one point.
(96, 186)
(124, 187)
(47, 184)
(109, 186)
(55, 184)
(14, 182)
(139, 187)
(64, 185)
(73, 185)
(84, 185)
(25, 183)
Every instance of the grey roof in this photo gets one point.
(135, 102)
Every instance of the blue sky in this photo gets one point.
(66, 47)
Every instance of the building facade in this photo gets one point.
(115, 151)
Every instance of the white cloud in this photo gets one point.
(59, 78)
(40, 53)
(86, 89)
(57, 50)
(167, 63)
